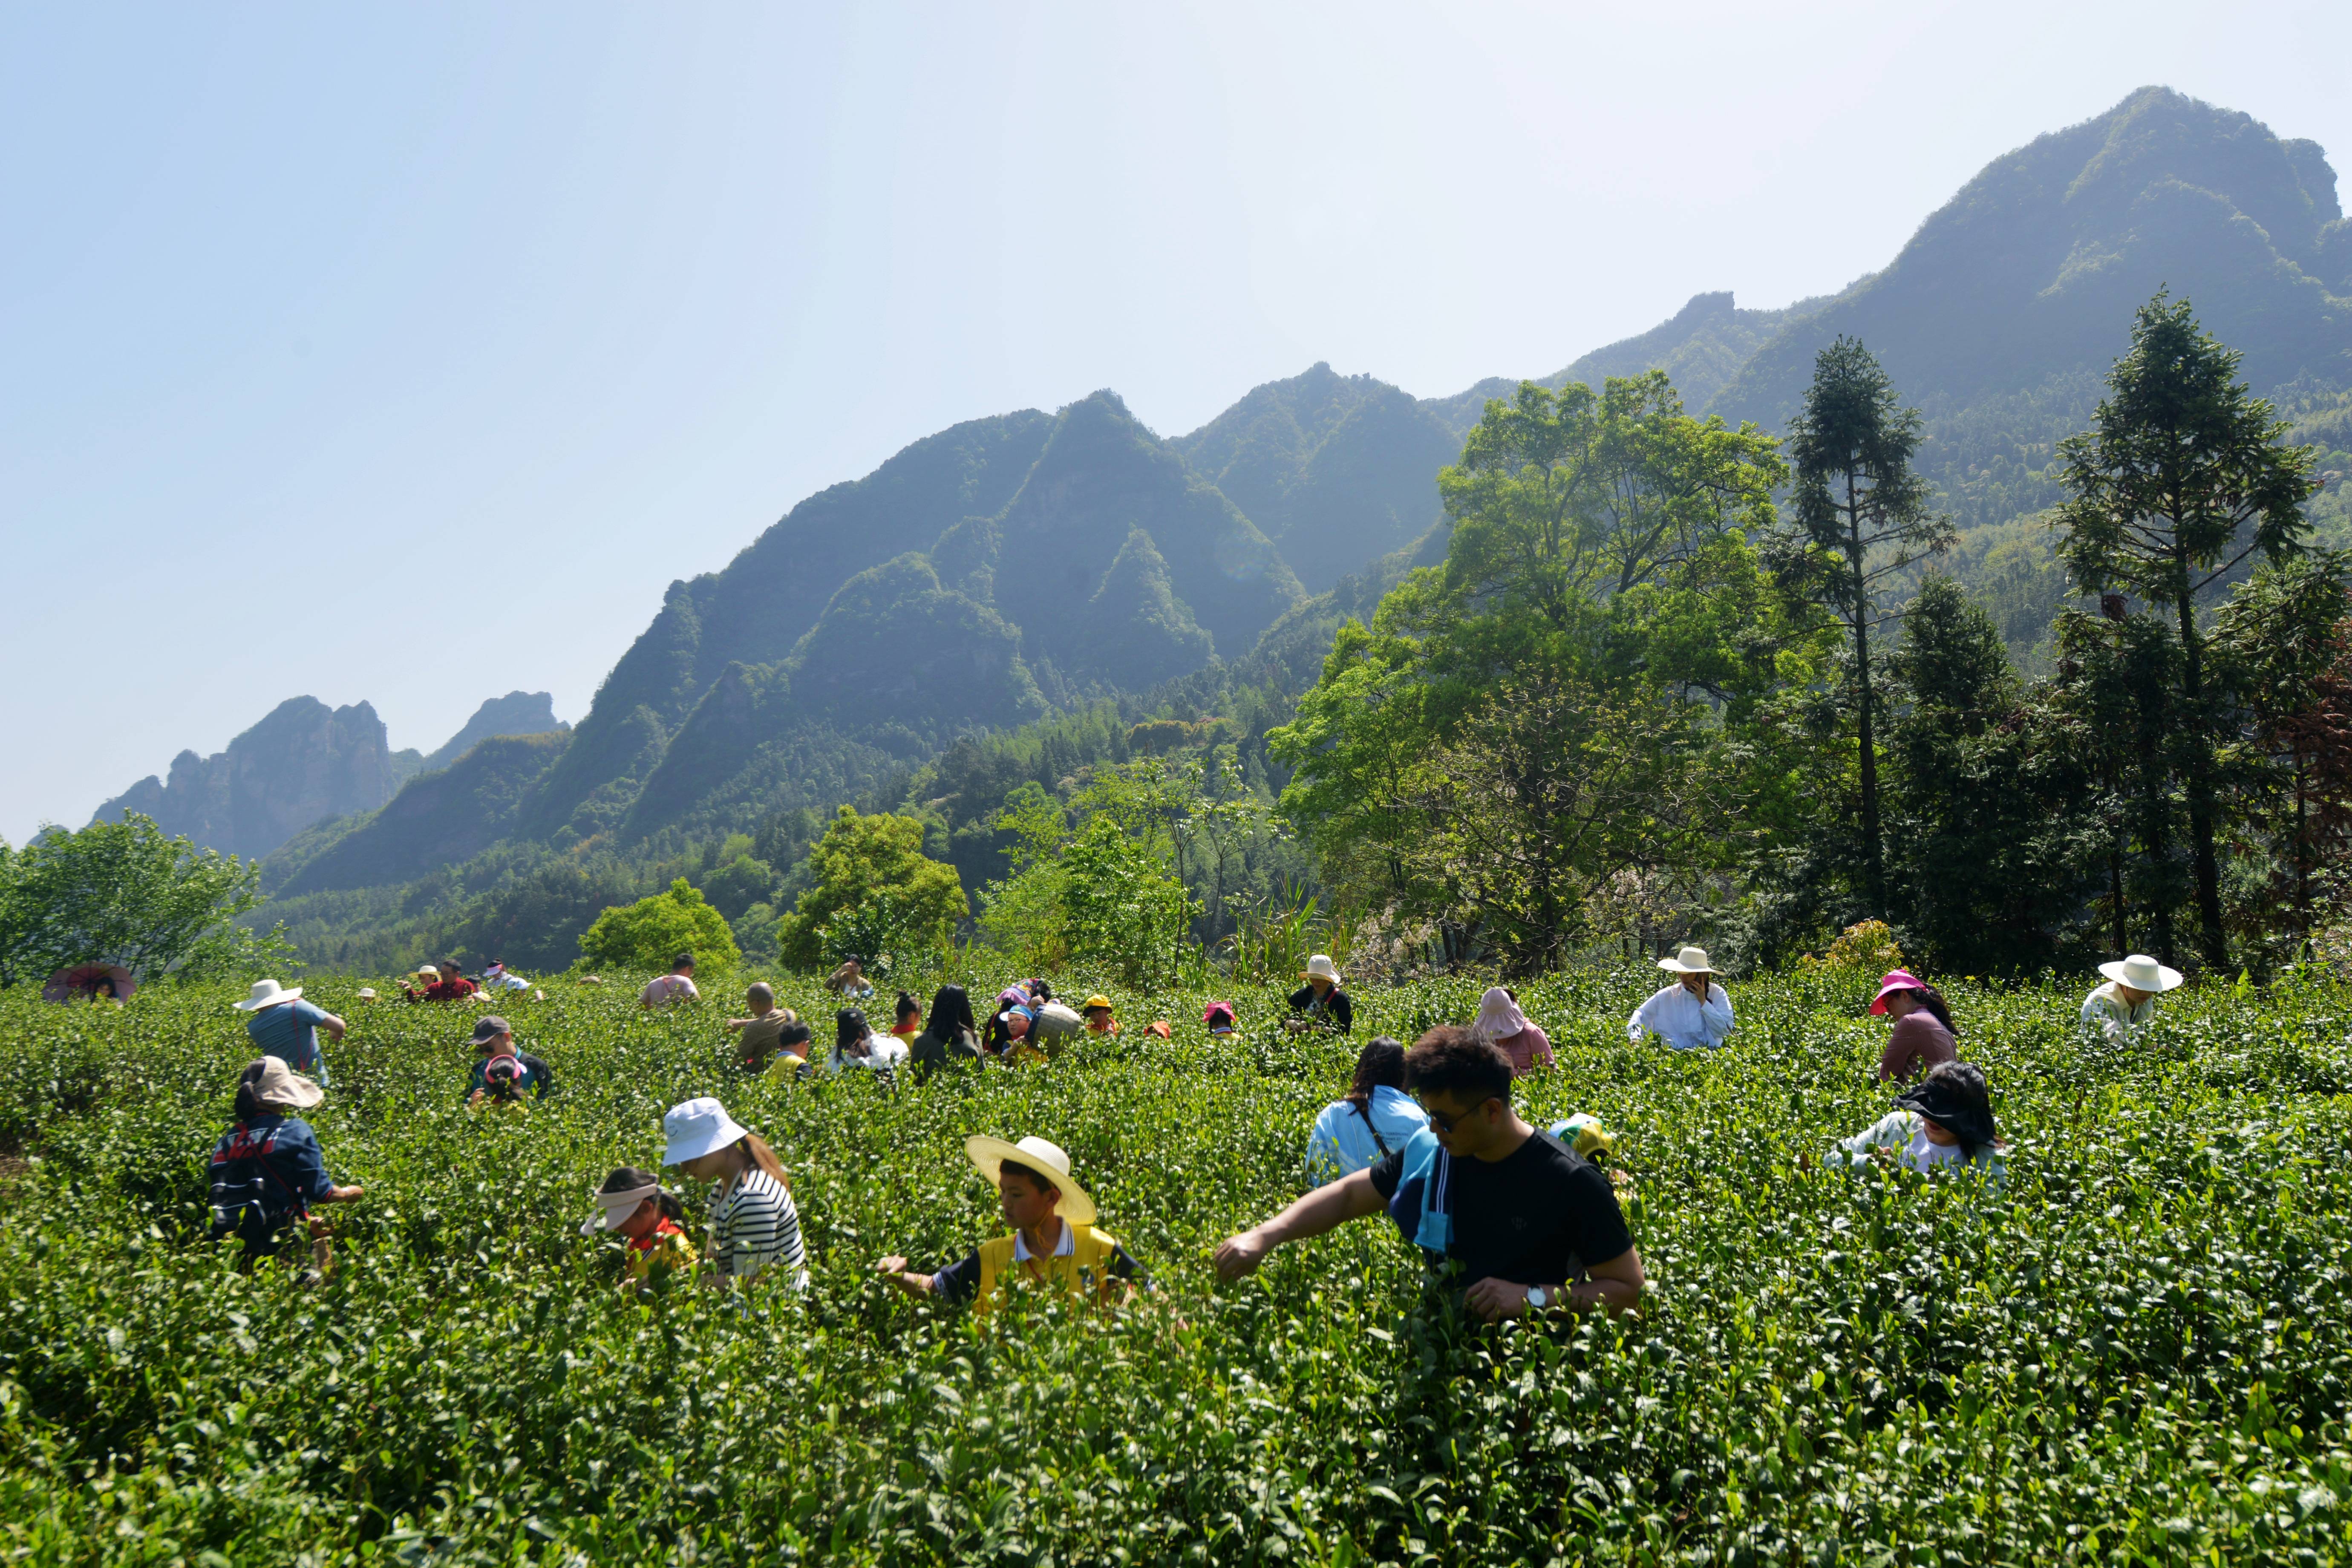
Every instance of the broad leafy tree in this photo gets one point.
(2181, 480)
(126, 892)
(642, 938)
(871, 860)
(1861, 524)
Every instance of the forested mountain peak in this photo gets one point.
(1337, 470)
(2029, 274)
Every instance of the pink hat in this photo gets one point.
(1896, 980)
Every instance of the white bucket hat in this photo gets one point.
(611, 1208)
(1320, 967)
(2142, 973)
(699, 1127)
(989, 1154)
(282, 1085)
(266, 993)
(1689, 961)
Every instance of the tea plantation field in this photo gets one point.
(2139, 1350)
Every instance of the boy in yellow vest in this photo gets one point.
(1053, 1240)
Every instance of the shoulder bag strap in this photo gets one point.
(1365, 1111)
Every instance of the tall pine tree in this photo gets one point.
(2180, 479)
(1861, 520)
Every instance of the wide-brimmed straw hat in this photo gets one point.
(989, 1154)
(699, 1127)
(266, 993)
(611, 1208)
(282, 1085)
(1896, 980)
(2142, 973)
(1689, 961)
(1320, 967)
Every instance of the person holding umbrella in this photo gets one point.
(2127, 1003)
(284, 1026)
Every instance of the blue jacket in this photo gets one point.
(1343, 1142)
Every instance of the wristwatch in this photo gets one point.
(1539, 1298)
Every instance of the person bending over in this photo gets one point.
(268, 1170)
(1054, 1242)
(1522, 1221)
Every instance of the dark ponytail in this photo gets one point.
(1933, 1001)
(1379, 1065)
(248, 1093)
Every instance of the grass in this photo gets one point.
(2139, 1350)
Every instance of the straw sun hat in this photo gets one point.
(1689, 961)
(1320, 967)
(2141, 973)
(987, 1156)
(282, 1085)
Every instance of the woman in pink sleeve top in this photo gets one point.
(1923, 1033)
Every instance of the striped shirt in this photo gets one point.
(756, 1227)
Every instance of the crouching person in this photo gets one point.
(1944, 1124)
(1054, 1242)
(1524, 1221)
(634, 1205)
(267, 1169)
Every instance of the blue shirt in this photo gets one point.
(288, 1031)
(1343, 1142)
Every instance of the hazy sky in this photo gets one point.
(406, 353)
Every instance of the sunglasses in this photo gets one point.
(1443, 1125)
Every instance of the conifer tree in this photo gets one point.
(2180, 478)
(1862, 520)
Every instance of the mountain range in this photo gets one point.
(1015, 566)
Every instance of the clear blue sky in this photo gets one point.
(407, 352)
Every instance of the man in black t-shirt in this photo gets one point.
(1536, 1227)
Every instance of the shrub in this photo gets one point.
(643, 938)
(858, 857)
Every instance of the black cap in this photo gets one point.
(489, 1026)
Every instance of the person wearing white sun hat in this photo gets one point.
(1693, 1013)
(284, 1026)
(1053, 1240)
(2126, 1003)
(1320, 1000)
(755, 1226)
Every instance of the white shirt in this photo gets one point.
(1682, 1020)
(1066, 1247)
(2105, 1006)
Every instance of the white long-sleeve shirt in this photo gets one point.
(2105, 1006)
(1682, 1020)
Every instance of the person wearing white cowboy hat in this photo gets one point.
(1054, 1241)
(284, 1026)
(1320, 1000)
(1692, 1014)
(2126, 1003)
(755, 1226)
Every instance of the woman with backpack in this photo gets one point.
(267, 1169)
(1374, 1120)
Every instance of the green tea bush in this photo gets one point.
(2140, 1350)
